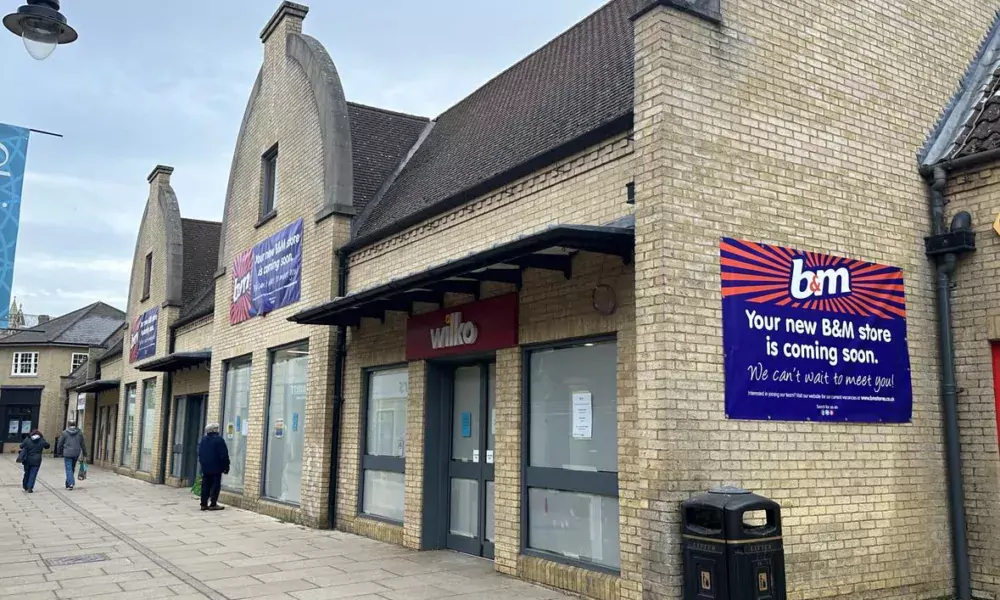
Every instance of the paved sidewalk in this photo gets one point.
(120, 538)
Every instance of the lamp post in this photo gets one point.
(42, 27)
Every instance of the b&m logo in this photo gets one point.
(241, 286)
(778, 276)
(818, 283)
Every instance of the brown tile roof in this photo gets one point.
(380, 139)
(201, 257)
(579, 85)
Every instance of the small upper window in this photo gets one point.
(147, 276)
(78, 359)
(25, 363)
(269, 182)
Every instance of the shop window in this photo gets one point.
(147, 439)
(147, 276)
(25, 364)
(286, 424)
(129, 433)
(235, 415)
(77, 361)
(269, 183)
(571, 474)
(384, 443)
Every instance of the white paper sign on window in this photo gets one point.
(583, 415)
(12, 426)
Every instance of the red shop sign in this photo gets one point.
(474, 327)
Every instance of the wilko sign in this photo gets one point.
(475, 327)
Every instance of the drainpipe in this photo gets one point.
(944, 249)
(339, 357)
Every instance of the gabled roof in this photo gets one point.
(202, 306)
(115, 351)
(969, 122)
(380, 139)
(201, 257)
(88, 326)
(578, 85)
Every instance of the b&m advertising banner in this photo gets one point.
(813, 337)
(143, 335)
(268, 276)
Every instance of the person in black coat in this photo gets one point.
(214, 457)
(32, 447)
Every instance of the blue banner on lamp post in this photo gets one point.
(13, 153)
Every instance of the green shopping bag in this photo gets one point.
(83, 470)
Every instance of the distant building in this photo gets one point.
(31, 389)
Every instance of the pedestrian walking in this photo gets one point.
(214, 457)
(71, 447)
(31, 459)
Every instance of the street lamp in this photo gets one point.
(42, 27)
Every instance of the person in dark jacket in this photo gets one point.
(214, 457)
(72, 448)
(33, 446)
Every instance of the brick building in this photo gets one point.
(95, 387)
(501, 330)
(167, 347)
(41, 359)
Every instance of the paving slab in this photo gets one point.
(156, 543)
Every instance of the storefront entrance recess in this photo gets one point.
(470, 468)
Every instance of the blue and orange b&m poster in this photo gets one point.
(813, 337)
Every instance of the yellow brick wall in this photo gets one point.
(975, 310)
(796, 124)
(587, 188)
(152, 237)
(284, 112)
(53, 364)
(194, 336)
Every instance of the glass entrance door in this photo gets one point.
(470, 527)
(180, 433)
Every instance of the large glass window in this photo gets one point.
(148, 438)
(129, 433)
(572, 470)
(383, 463)
(236, 420)
(286, 424)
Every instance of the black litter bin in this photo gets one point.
(725, 556)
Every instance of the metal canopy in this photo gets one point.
(100, 385)
(551, 249)
(177, 361)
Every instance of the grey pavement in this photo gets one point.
(115, 537)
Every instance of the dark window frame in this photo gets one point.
(226, 365)
(368, 462)
(147, 276)
(122, 458)
(582, 482)
(265, 429)
(268, 185)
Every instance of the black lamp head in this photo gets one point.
(42, 27)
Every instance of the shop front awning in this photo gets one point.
(99, 385)
(177, 361)
(551, 249)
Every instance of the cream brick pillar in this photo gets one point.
(416, 426)
(507, 461)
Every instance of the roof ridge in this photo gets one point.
(86, 310)
(525, 59)
(206, 221)
(965, 81)
(389, 112)
(359, 221)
